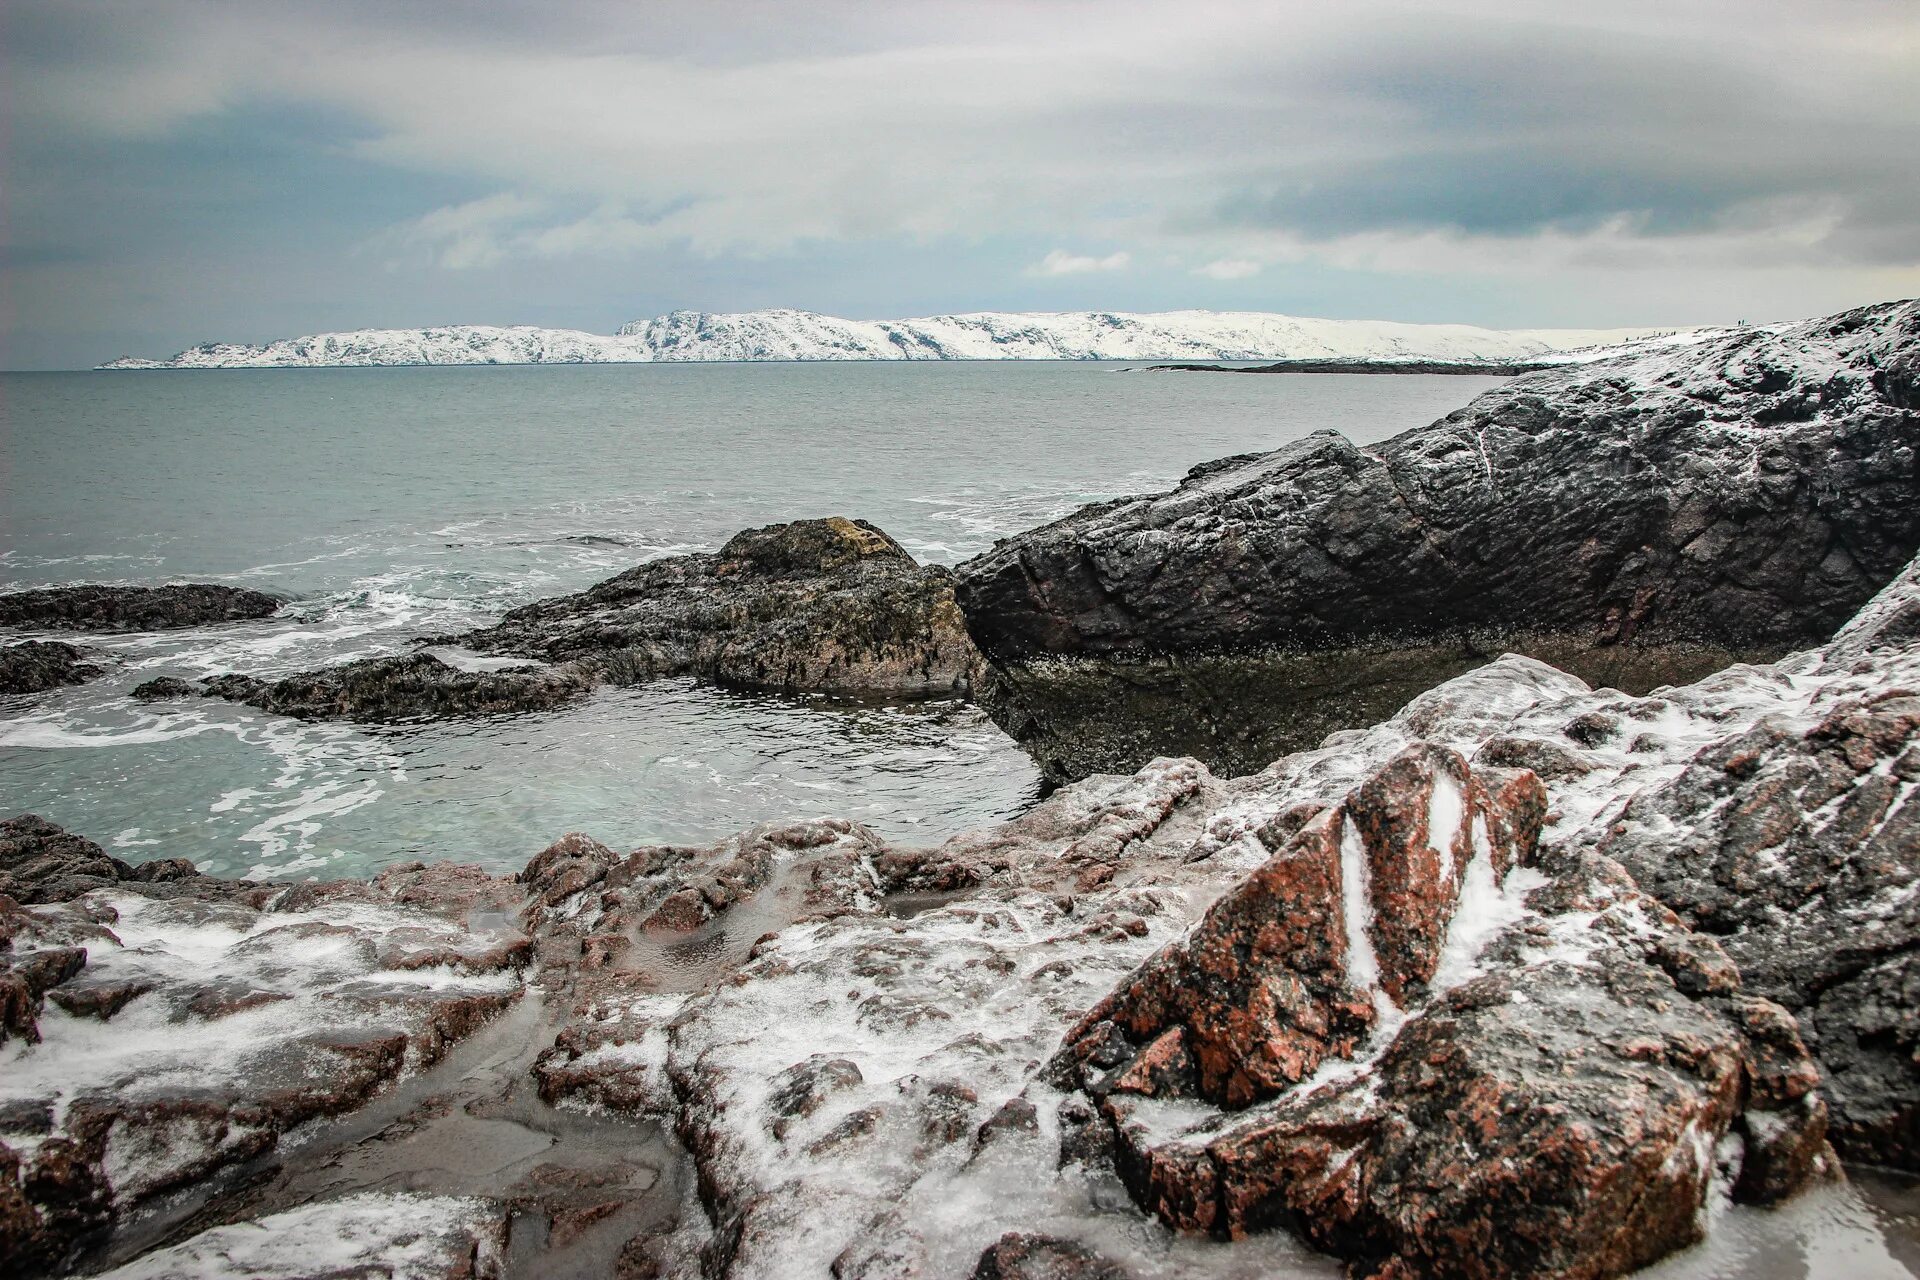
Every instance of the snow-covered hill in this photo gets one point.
(987, 335)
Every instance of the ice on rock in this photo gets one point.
(395, 1237)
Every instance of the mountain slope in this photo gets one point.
(805, 335)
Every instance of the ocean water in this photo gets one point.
(388, 503)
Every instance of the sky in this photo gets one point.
(173, 171)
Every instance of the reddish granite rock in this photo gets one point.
(1020, 1255)
(1269, 985)
(1428, 1073)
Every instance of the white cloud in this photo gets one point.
(1229, 269)
(1381, 137)
(1062, 263)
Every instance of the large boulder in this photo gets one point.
(832, 606)
(1435, 1054)
(1641, 520)
(41, 861)
(115, 609)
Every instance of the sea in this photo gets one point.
(387, 504)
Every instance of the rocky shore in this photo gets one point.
(1385, 950)
(1279, 1003)
(1638, 521)
(823, 606)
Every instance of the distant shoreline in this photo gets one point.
(1486, 368)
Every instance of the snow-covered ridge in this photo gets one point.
(988, 335)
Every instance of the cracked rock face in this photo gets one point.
(1534, 1093)
(1638, 521)
(824, 606)
(117, 609)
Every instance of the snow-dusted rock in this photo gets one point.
(785, 334)
(1461, 1059)
(183, 1034)
(1641, 520)
(866, 1092)
(858, 1044)
(378, 1237)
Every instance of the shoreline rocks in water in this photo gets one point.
(122, 609)
(1641, 520)
(1404, 993)
(35, 666)
(1481, 368)
(822, 606)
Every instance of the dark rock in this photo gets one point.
(162, 687)
(34, 666)
(1020, 1255)
(42, 862)
(831, 605)
(1799, 851)
(405, 687)
(1638, 521)
(116, 609)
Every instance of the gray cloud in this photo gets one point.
(1757, 148)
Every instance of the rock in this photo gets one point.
(43, 862)
(833, 606)
(371, 1234)
(233, 1014)
(1026, 1256)
(1138, 1007)
(1526, 1091)
(1798, 848)
(1279, 975)
(34, 666)
(119, 609)
(826, 606)
(162, 687)
(405, 687)
(1641, 520)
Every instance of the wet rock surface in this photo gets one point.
(1638, 521)
(831, 605)
(120, 609)
(404, 687)
(186, 1028)
(42, 862)
(34, 666)
(823, 606)
(1412, 998)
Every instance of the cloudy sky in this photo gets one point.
(173, 172)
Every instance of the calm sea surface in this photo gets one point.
(392, 502)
